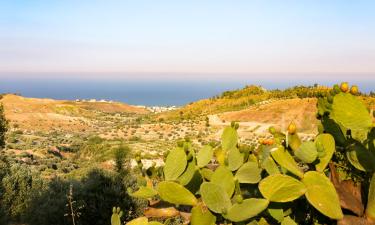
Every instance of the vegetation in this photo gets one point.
(241, 99)
(3, 127)
(285, 180)
(101, 165)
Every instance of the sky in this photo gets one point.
(195, 39)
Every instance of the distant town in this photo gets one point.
(154, 109)
(157, 109)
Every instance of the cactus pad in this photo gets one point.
(224, 178)
(186, 177)
(307, 152)
(138, 221)
(144, 192)
(154, 223)
(270, 166)
(116, 216)
(350, 112)
(247, 209)
(284, 159)
(276, 213)
(175, 193)
(235, 159)
(206, 173)
(327, 142)
(249, 173)
(229, 138)
(322, 194)
(204, 156)
(294, 141)
(201, 216)
(288, 221)
(215, 197)
(175, 164)
(281, 188)
(360, 157)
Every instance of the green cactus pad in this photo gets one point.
(360, 157)
(201, 216)
(175, 193)
(246, 210)
(144, 192)
(220, 155)
(262, 221)
(154, 223)
(323, 106)
(229, 138)
(370, 209)
(307, 152)
(195, 182)
(322, 194)
(270, 166)
(288, 221)
(215, 197)
(276, 213)
(186, 177)
(331, 127)
(204, 156)
(224, 178)
(350, 112)
(138, 221)
(294, 141)
(116, 216)
(252, 158)
(175, 164)
(235, 159)
(328, 143)
(284, 159)
(207, 173)
(249, 173)
(281, 188)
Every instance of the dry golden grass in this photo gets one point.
(280, 112)
(45, 114)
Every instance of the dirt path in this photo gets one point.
(256, 127)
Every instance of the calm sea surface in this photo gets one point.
(140, 92)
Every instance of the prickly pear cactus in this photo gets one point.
(349, 112)
(116, 216)
(282, 180)
(307, 152)
(175, 164)
(246, 210)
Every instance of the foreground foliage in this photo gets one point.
(285, 180)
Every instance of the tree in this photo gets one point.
(18, 185)
(3, 127)
(121, 154)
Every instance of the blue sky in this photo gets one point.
(212, 39)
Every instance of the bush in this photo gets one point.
(17, 187)
(121, 154)
(3, 127)
(94, 197)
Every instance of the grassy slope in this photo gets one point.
(238, 100)
(254, 104)
(42, 114)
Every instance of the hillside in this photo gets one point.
(241, 99)
(280, 113)
(44, 114)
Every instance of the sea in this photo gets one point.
(148, 93)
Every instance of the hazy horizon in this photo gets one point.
(149, 92)
(210, 40)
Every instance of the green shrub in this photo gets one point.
(3, 127)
